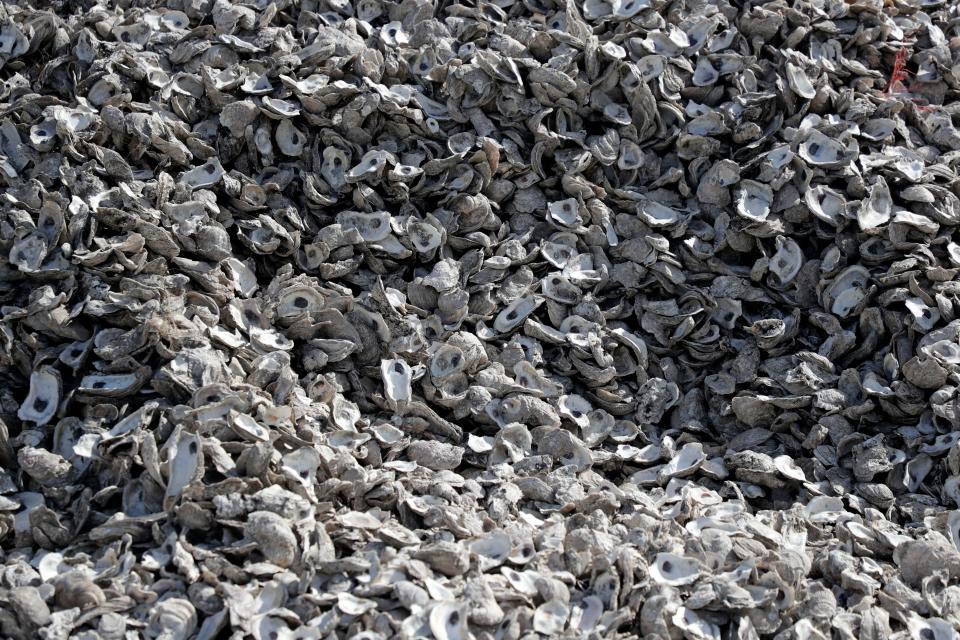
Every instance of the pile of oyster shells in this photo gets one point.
(479, 319)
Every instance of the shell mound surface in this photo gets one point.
(479, 320)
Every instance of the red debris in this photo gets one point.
(899, 73)
(899, 76)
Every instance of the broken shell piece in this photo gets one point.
(273, 537)
(821, 151)
(424, 236)
(560, 250)
(575, 408)
(42, 401)
(627, 8)
(704, 75)
(492, 549)
(516, 312)
(172, 618)
(754, 200)
(373, 227)
(185, 464)
(556, 287)
(826, 204)
(658, 215)
(397, 377)
(448, 621)
(674, 570)
(204, 176)
(112, 386)
(446, 361)
(786, 466)
(372, 164)
(550, 618)
(686, 461)
(847, 291)
(787, 261)
(290, 140)
(43, 136)
(564, 213)
(799, 82)
(877, 208)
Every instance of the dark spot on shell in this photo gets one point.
(397, 367)
(455, 617)
(99, 384)
(304, 474)
(192, 447)
(40, 404)
(667, 566)
(512, 315)
(210, 169)
(300, 302)
(213, 397)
